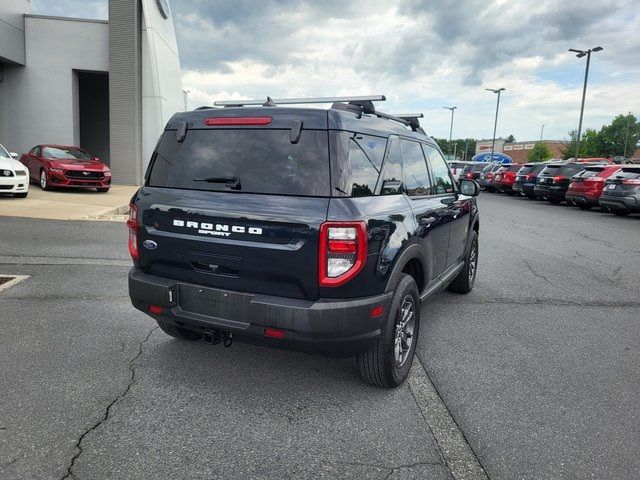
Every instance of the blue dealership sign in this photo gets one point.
(497, 158)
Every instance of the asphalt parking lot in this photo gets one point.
(538, 367)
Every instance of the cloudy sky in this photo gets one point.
(422, 54)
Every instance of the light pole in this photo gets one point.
(540, 144)
(626, 137)
(580, 54)
(495, 124)
(451, 131)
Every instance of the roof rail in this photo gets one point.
(297, 101)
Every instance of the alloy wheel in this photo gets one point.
(405, 328)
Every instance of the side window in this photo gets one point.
(392, 173)
(36, 151)
(439, 171)
(364, 174)
(416, 176)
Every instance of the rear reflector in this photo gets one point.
(377, 311)
(221, 121)
(274, 333)
(156, 309)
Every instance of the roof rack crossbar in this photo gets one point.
(299, 101)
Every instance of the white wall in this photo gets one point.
(39, 102)
(162, 94)
(12, 29)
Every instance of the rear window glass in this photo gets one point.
(551, 170)
(468, 168)
(514, 168)
(356, 160)
(479, 168)
(526, 169)
(247, 160)
(590, 172)
(539, 168)
(571, 170)
(626, 174)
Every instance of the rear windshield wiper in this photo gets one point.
(230, 182)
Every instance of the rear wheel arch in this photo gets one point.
(412, 261)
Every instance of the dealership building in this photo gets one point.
(107, 86)
(519, 151)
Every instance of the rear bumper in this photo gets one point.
(629, 204)
(327, 327)
(550, 192)
(581, 199)
(522, 187)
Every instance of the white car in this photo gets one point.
(14, 177)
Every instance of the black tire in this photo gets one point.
(103, 190)
(177, 332)
(621, 213)
(584, 206)
(465, 280)
(379, 365)
(20, 195)
(555, 201)
(531, 196)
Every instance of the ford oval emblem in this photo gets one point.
(150, 244)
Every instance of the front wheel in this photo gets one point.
(387, 363)
(465, 280)
(44, 181)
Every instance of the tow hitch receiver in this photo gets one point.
(214, 337)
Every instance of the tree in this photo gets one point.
(448, 147)
(611, 138)
(588, 145)
(510, 139)
(539, 153)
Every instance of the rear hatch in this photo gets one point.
(586, 180)
(624, 183)
(237, 207)
(547, 175)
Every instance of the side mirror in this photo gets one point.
(13, 155)
(469, 188)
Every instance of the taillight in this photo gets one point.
(557, 179)
(469, 175)
(489, 176)
(342, 252)
(132, 224)
(528, 177)
(631, 181)
(594, 179)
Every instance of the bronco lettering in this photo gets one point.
(220, 229)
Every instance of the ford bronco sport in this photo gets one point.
(303, 228)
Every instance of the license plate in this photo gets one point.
(611, 187)
(209, 301)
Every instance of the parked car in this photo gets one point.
(329, 247)
(506, 176)
(487, 176)
(621, 192)
(586, 187)
(473, 171)
(456, 167)
(553, 181)
(526, 177)
(13, 175)
(66, 167)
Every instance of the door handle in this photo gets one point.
(427, 221)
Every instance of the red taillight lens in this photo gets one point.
(132, 223)
(274, 333)
(377, 311)
(557, 179)
(594, 179)
(528, 177)
(469, 175)
(342, 252)
(156, 309)
(631, 181)
(223, 121)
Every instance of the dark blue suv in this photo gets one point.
(310, 229)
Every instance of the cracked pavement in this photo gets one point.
(538, 369)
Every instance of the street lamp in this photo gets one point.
(540, 145)
(451, 131)
(495, 124)
(626, 137)
(580, 54)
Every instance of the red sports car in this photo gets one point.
(68, 167)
